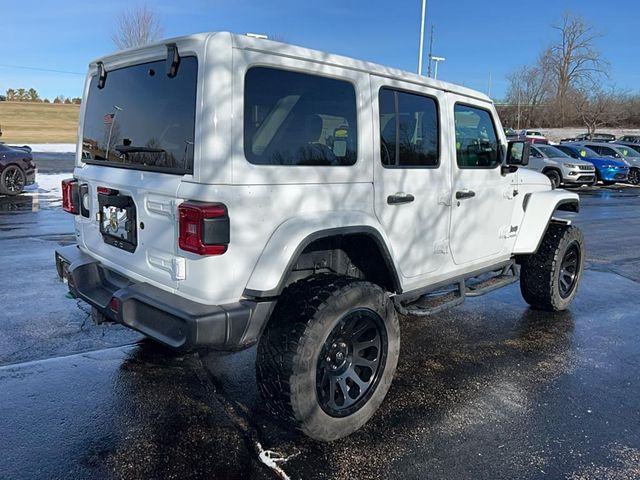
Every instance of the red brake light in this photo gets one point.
(204, 228)
(70, 197)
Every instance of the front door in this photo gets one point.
(412, 179)
(482, 197)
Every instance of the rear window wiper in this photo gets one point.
(134, 149)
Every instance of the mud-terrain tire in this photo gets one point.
(549, 279)
(12, 180)
(328, 333)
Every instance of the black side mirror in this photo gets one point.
(518, 153)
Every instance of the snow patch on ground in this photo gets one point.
(53, 147)
(50, 184)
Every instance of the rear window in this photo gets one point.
(143, 119)
(293, 118)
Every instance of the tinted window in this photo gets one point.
(568, 151)
(550, 151)
(298, 119)
(606, 151)
(142, 118)
(408, 129)
(476, 140)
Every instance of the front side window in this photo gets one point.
(142, 118)
(476, 139)
(293, 118)
(408, 129)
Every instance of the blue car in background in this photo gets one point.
(608, 170)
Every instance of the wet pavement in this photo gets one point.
(490, 389)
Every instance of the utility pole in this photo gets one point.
(421, 48)
(489, 92)
(430, 52)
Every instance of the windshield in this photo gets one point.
(142, 118)
(627, 152)
(550, 151)
(587, 152)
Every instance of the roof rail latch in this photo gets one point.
(102, 75)
(173, 60)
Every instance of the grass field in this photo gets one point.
(24, 122)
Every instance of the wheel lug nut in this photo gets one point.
(333, 346)
(328, 359)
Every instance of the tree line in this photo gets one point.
(32, 95)
(568, 85)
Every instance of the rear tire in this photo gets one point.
(327, 357)
(12, 180)
(549, 278)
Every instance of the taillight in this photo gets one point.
(70, 196)
(204, 228)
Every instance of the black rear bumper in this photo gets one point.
(166, 317)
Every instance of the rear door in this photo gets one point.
(483, 198)
(138, 135)
(412, 176)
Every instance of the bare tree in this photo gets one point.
(136, 27)
(597, 107)
(573, 59)
(529, 89)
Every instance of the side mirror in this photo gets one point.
(518, 153)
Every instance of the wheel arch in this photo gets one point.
(332, 248)
(540, 208)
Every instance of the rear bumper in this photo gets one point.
(166, 317)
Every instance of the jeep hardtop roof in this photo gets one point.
(293, 51)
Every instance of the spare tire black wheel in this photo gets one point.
(327, 357)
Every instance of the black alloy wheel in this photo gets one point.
(569, 270)
(13, 180)
(350, 362)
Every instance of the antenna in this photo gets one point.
(430, 52)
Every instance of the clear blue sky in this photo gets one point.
(476, 37)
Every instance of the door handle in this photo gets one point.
(399, 198)
(465, 194)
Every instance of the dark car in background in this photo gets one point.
(591, 137)
(630, 139)
(608, 170)
(17, 169)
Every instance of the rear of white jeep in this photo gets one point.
(153, 201)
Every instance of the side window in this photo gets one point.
(476, 139)
(409, 133)
(608, 152)
(293, 118)
(535, 153)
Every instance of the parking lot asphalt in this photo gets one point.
(490, 389)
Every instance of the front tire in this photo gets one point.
(634, 176)
(549, 278)
(554, 177)
(327, 357)
(12, 180)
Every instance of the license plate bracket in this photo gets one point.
(117, 221)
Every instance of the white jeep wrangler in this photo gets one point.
(230, 190)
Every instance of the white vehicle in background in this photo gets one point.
(240, 191)
(560, 168)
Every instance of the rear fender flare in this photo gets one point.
(291, 237)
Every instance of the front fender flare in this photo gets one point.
(539, 209)
(293, 235)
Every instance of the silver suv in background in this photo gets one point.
(560, 167)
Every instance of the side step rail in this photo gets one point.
(455, 293)
(480, 286)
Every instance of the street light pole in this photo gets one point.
(421, 48)
(437, 60)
